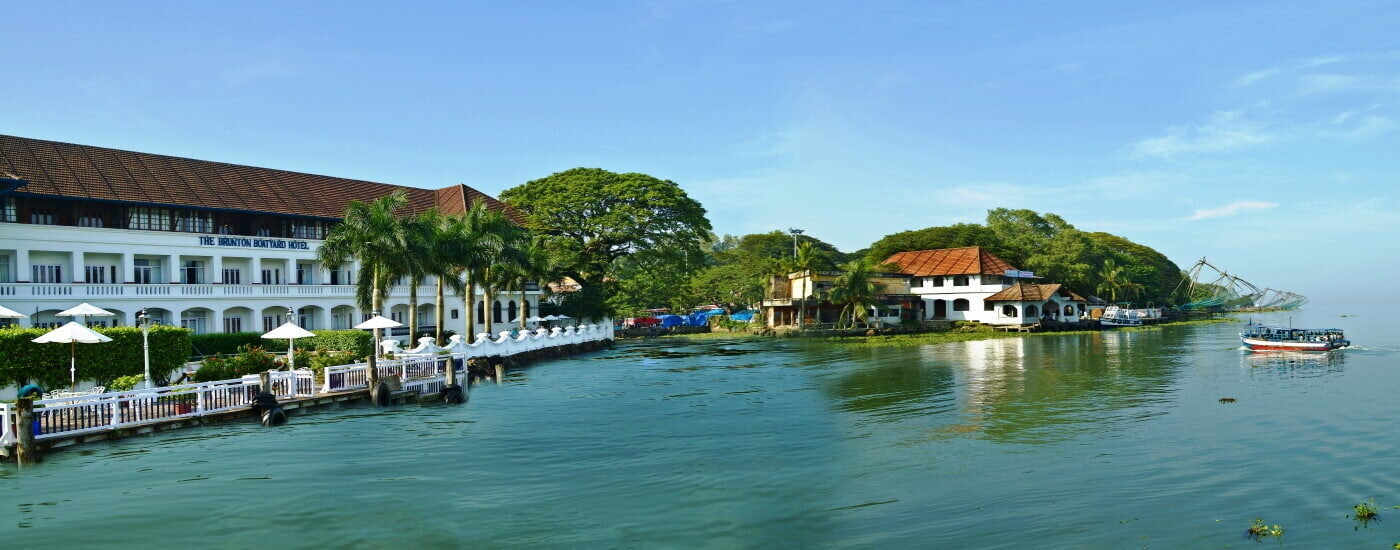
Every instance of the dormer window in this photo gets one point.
(937, 281)
(960, 280)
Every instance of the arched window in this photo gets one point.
(496, 312)
(960, 280)
(1031, 311)
(961, 304)
(1069, 309)
(1009, 311)
(510, 310)
(480, 312)
(526, 307)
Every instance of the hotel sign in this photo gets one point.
(1020, 274)
(250, 242)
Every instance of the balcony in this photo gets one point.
(84, 291)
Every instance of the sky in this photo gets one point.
(1260, 135)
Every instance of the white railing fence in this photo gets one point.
(424, 374)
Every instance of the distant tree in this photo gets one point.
(729, 286)
(1047, 245)
(855, 289)
(1115, 283)
(1159, 276)
(932, 238)
(591, 219)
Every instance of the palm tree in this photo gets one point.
(442, 252)
(808, 257)
(482, 236)
(373, 235)
(1114, 281)
(534, 264)
(855, 290)
(416, 263)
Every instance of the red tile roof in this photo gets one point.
(1024, 292)
(972, 260)
(54, 168)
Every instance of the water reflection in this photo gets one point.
(1021, 390)
(1293, 364)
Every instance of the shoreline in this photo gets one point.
(947, 337)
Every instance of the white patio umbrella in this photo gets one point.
(378, 321)
(7, 313)
(86, 310)
(551, 318)
(534, 319)
(291, 332)
(72, 334)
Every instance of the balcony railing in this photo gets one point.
(83, 291)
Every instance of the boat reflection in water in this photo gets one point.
(1294, 363)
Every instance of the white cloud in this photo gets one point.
(1231, 209)
(1226, 130)
(1249, 79)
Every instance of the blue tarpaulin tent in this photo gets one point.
(745, 315)
(668, 321)
(702, 318)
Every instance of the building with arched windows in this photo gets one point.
(211, 246)
(968, 284)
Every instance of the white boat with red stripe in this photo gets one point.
(1266, 338)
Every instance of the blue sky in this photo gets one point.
(1260, 135)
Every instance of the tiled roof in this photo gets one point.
(68, 170)
(972, 260)
(1023, 292)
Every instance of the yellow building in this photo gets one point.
(803, 294)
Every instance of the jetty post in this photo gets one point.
(28, 450)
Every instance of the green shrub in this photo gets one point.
(358, 342)
(126, 383)
(250, 360)
(22, 360)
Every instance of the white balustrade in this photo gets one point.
(7, 422)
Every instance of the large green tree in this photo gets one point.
(591, 219)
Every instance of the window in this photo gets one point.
(960, 280)
(233, 276)
(46, 273)
(233, 324)
(526, 307)
(511, 312)
(190, 221)
(1009, 311)
(96, 274)
(90, 219)
(961, 304)
(454, 314)
(988, 306)
(5, 269)
(146, 271)
(917, 282)
(480, 312)
(937, 281)
(991, 279)
(192, 272)
(7, 210)
(306, 274)
(397, 316)
(41, 216)
(496, 312)
(1069, 310)
(193, 320)
(308, 229)
(1031, 311)
(267, 323)
(272, 276)
(142, 217)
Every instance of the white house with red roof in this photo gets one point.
(970, 284)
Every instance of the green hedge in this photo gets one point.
(358, 342)
(22, 361)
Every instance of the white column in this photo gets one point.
(216, 264)
(169, 267)
(76, 272)
(322, 319)
(256, 275)
(128, 267)
(129, 317)
(323, 274)
(216, 320)
(22, 270)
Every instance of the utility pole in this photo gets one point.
(795, 232)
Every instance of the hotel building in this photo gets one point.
(210, 246)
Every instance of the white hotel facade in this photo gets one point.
(209, 246)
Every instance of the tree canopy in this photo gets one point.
(590, 219)
(931, 238)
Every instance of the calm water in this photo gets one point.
(1113, 440)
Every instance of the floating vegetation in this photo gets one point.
(1227, 400)
(1258, 530)
(1365, 512)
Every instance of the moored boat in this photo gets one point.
(1265, 338)
(1115, 316)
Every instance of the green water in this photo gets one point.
(1112, 440)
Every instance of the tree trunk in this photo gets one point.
(521, 310)
(440, 319)
(471, 309)
(373, 375)
(412, 312)
(486, 299)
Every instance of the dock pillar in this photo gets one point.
(28, 449)
(500, 372)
